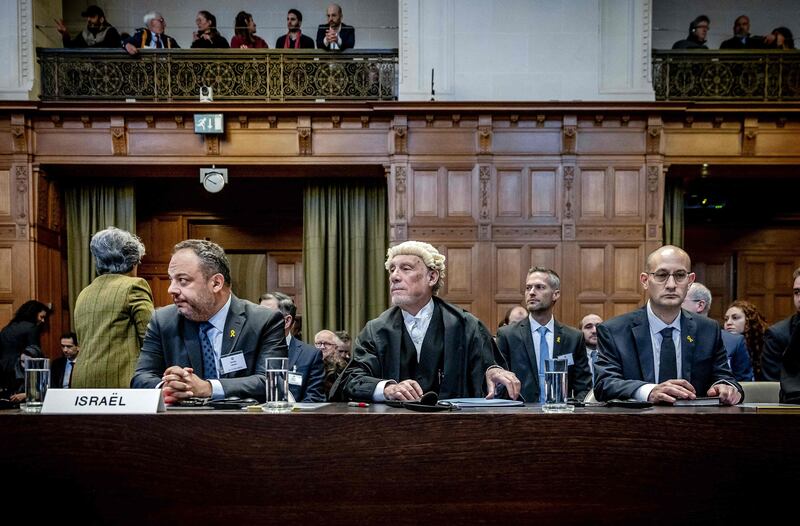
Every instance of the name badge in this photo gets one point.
(103, 401)
(295, 379)
(233, 362)
(568, 357)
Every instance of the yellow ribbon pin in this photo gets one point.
(233, 333)
(690, 339)
(558, 339)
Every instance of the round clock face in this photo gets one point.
(214, 182)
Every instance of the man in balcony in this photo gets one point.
(335, 35)
(151, 36)
(294, 38)
(97, 34)
(741, 38)
(698, 31)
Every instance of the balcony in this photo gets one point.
(726, 76)
(233, 74)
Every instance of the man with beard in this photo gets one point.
(741, 38)
(661, 353)
(526, 344)
(589, 325)
(776, 339)
(209, 344)
(422, 343)
(294, 39)
(335, 35)
(98, 32)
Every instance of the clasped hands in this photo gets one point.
(180, 383)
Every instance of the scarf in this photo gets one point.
(296, 42)
(92, 39)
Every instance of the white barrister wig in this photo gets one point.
(427, 253)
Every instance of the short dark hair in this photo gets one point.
(344, 336)
(212, 257)
(696, 22)
(71, 335)
(29, 311)
(285, 303)
(296, 13)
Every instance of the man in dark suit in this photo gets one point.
(776, 339)
(61, 368)
(661, 353)
(525, 345)
(335, 35)
(741, 38)
(209, 343)
(589, 325)
(422, 343)
(698, 301)
(306, 369)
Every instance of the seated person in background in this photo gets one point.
(661, 353)
(741, 38)
(539, 336)
(306, 370)
(21, 337)
(98, 32)
(513, 315)
(207, 35)
(776, 339)
(780, 38)
(328, 344)
(344, 348)
(294, 38)
(61, 368)
(151, 36)
(698, 31)
(245, 29)
(335, 35)
(790, 368)
(209, 343)
(422, 343)
(742, 317)
(589, 325)
(698, 301)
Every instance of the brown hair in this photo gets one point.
(754, 328)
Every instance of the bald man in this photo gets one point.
(661, 353)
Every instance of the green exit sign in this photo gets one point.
(208, 123)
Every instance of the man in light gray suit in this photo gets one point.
(209, 343)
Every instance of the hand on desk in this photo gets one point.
(180, 383)
(498, 376)
(671, 390)
(405, 390)
(728, 395)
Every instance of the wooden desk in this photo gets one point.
(363, 466)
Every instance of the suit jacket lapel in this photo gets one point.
(454, 350)
(233, 326)
(644, 346)
(688, 338)
(524, 331)
(294, 353)
(191, 340)
(395, 337)
(559, 342)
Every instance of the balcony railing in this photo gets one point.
(236, 74)
(706, 75)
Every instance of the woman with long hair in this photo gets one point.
(245, 29)
(207, 35)
(742, 317)
(21, 335)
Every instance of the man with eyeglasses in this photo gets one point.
(151, 36)
(698, 31)
(328, 344)
(661, 353)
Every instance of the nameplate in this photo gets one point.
(103, 402)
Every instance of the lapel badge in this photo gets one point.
(558, 339)
(233, 333)
(689, 339)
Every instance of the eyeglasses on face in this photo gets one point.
(324, 344)
(661, 276)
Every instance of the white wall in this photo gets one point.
(375, 20)
(671, 18)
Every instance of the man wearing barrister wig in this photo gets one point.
(422, 343)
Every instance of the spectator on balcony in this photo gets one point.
(741, 38)
(335, 35)
(207, 35)
(151, 36)
(780, 38)
(294, 38)
(245, 29)
(98, 32)
(698, 31)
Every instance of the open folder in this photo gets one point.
(464, 403)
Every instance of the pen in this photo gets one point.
(357, 404)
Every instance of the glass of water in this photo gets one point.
(37, 380)
(556, 389)
(277, 371)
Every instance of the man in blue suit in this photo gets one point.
(698, 301)
(538, 337)
(661, 353)
(306, 369)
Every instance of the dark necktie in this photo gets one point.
(668, 365)
(544, 354)
(158, 42)
(209, 358)
(593, 361)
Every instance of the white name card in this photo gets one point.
(103, 401)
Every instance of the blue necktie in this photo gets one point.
(544, 354)
(668, 364)
(209, 358)
(593, 361)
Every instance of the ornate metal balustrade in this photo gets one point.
(235, 74)
(706, 75)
